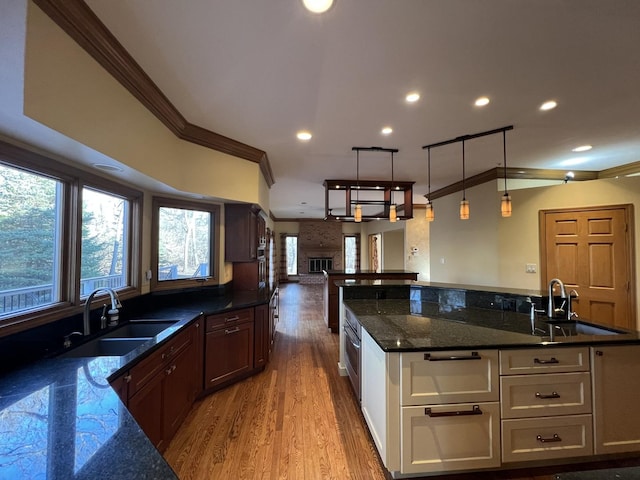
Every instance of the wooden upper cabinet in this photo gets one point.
(245, 233)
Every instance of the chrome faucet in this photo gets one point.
(552, 311)
(113, 313)
(570, 313)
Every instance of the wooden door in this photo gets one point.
(590, 251)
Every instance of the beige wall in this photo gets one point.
(493, 251)
(393, 250)
(67, 90)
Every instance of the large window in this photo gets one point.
(63, 233)
(291, 246)
(30, 249)
(184, 234)
(105, 236)
(351, 253)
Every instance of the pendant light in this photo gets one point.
(429, 213)
(505, 203)
(464, 203)
(393, 214)
(358, 211)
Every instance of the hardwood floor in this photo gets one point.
(296, 420)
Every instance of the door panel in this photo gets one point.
(590, 251)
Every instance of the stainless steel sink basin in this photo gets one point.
(588, 329)
(106, 347)
(572, 328)
(137, 329)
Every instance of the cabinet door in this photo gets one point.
(177, 392)
(450, 437)
(121, 387)
(241, 233)
(449, 377)
(146, 408)
(261, 336)
(616, 390)
(197, 330)
(229, 353)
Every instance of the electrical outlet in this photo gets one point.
(531, 268)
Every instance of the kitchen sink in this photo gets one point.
(106, 347)
(142, 328)
(572, 328)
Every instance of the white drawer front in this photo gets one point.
(545, 438)
(545, 395)
(447, 441)
(449, 377)
(540, 360)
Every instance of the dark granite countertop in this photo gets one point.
(60, 419)
(368, 272)
(403, 326)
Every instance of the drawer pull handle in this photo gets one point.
(231, 330)
(546, 362)
(555, 438)
(548, 395)
(458, 413)
(473, 356)
(232, 319)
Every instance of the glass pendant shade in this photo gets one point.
(393, 216)
(505, 205)
(358, 213)
(429, 213)
(464, 209)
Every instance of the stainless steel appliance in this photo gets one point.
(352, 332)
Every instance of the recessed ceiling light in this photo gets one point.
(412, 97)
(582, 148)
(108, 168)
(549, 105)
(304, 135)
(482, 101)
(317, 6)
(387, 130)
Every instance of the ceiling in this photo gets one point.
(259, 71)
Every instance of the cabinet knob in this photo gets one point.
(599, 353)
(127, 378)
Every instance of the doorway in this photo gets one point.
(591, 251)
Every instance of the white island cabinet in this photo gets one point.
(432, 411)
(616, 398)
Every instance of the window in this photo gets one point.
(63, 233)
(291, 246)
(30, 256)
(184, 234)
(105, 233)
(351, 253)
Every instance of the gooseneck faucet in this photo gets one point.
(113, 313)
(552, 311)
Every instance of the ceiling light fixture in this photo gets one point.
(412, 97)
(464, 203)
(582, 148)
(549, 105)
(317, 6)
(393, 214)
(429, 213)
(304, 135)
(569, 176)
(482, 101)
(505, 203)
(387, 130)
(357, 216)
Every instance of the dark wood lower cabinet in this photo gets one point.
(211, 353)
(228, 353)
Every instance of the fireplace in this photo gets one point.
(318, 264)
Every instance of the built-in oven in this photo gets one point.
(352, 350)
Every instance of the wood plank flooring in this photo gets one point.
(296, 420)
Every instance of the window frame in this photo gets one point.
(214, 247)
(286, 263)
(344, 249)
(72, 181)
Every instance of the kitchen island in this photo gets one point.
(468, 388)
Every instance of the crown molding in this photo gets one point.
(79, 22)
(621, 171)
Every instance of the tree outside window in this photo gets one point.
(292, 254)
